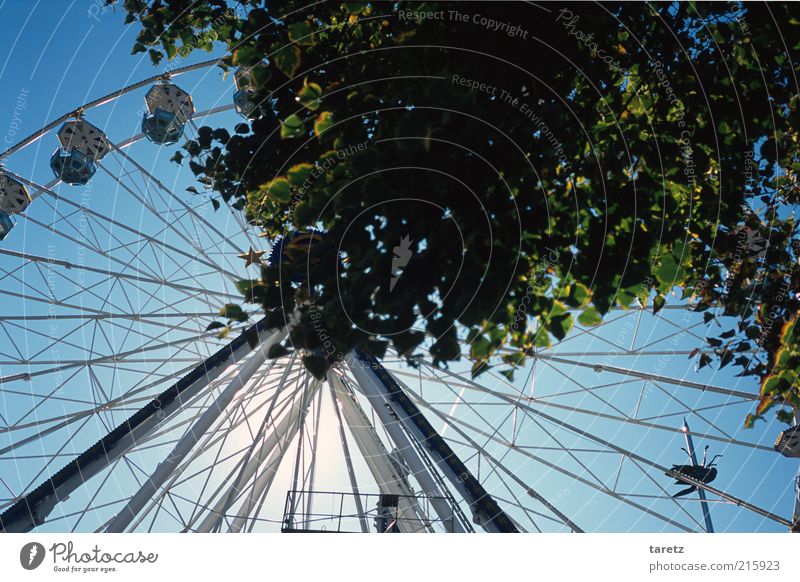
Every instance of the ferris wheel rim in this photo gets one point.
(130, 141)
(109, 98)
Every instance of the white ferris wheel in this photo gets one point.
(120, 410)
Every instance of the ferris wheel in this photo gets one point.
(125, 409)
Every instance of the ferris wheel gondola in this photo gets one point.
(168, 109)
(245, 96)
(82, 146)
(14, 198)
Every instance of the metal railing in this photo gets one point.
(336, 512)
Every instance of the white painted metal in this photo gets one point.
(267, 475)
(348, 460)
(388, 475)
(81, 135)
(185, 445)
(233, 418)
(14, 196)
(279, 435)
(169, 97)
(135, 436)
(370, 387)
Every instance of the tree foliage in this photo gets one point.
(540, 161)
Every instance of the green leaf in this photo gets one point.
(247, 56)
(589, 317)
(751, 419)
(245, 286)
(221, 135)
(300, 33)
(509, 374)
(578, 294)
(253, 290)
(215, 325)
(626, 297)
(752, 331)
(406, 342)
(658, 303)
(669, 272)
(764, 405)
(479, 368)
(234, 312)
(560, 325)
(171, 49)
(377, 348)
(277, 351)
(785, 416)
(479, 348)
(542, 340)
(292, 126)
(287, 60)
(309, 96)
(317, 365)
(260, 75)
(155, 56)
(497, 334)
(770, 384)
(303, 215)
(355, 7)
(446, 348)
(299, 173)
(323, 122)
(726, 358)
(278, 190)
